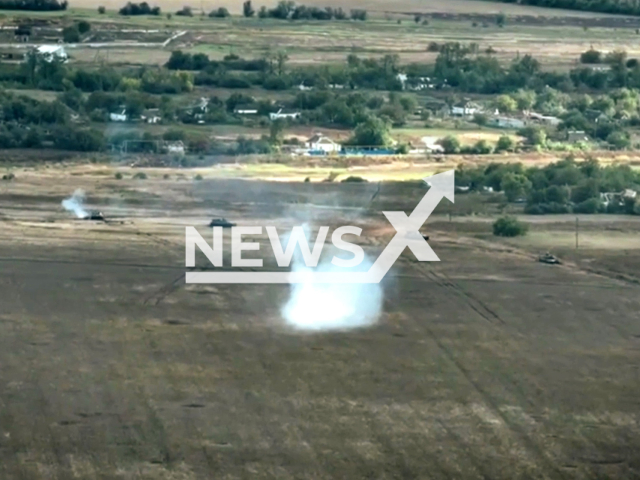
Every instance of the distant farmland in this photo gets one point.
(373, 6)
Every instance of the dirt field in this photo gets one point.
(485, 365)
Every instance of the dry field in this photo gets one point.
(405, 6)
(555, 46)
(486, 365)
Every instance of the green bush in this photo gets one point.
(102, 10)
(198, 177)
(353, 179)
(509, 227)
(140, 176)
(118, 176)
(593, 205)
(8, 177)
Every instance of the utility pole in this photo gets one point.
(577, 232)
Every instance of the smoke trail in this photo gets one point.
(325, 307)
(75, 204)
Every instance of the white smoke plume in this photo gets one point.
(75, 204)
(319, 307)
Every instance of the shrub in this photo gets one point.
(166, 176)
(220, 13)
(593, 205)
(185, 12)
(198, 177)
(307, 180)
(8, 177)
(118, 176)
(354, 179)
(509, 227)
(591, 56)
(140, 176)
(71, 34)
(449, 144)
(505, 143)
(102, 10)
(139, 9)
(84, 27)
(358, 14)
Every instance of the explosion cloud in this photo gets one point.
(321, 307)
(75, 204)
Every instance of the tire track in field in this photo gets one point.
(454, 289)
(542, 457)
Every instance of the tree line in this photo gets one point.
(623, 7)
(139, 9)
(34, 5)
(289, 10)
(566, 186)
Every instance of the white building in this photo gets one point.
(151, 115)
(507, 122)
(118, 117)
(175, 147)
(52, 52)
(282, 114)
(464, 110)
(321, 143)
(246, 111)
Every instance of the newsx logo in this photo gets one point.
(407, 236)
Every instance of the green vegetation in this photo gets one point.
(563, 187)
(623, 7)
(509, 227)
(139, 9)
(33, 5)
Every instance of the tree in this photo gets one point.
(525, 99)
(515, 186)
(534, 135)
(585, 190)
(591, 56)
(247, 9)
(185, 12)
(373, 132)
(501, 18)
(619, 139)
(505, 144)
(450, 144)
(71, 34)
(505, 103)
(221, 12)
(102, 10)
(84, 27)
(263, 12)
(276, 131)
(281, 61)
(509, 227)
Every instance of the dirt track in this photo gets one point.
(485, 365)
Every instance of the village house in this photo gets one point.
(22, 34)
(465, 109)
(321, 143)
(119, 117)
(49, 53)
(507, 122)
(245, 110)
(575, 136)
(546, 119)
(151, 115)
(284, 114)
(176, 148)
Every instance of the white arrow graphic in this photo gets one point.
(407, 235)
